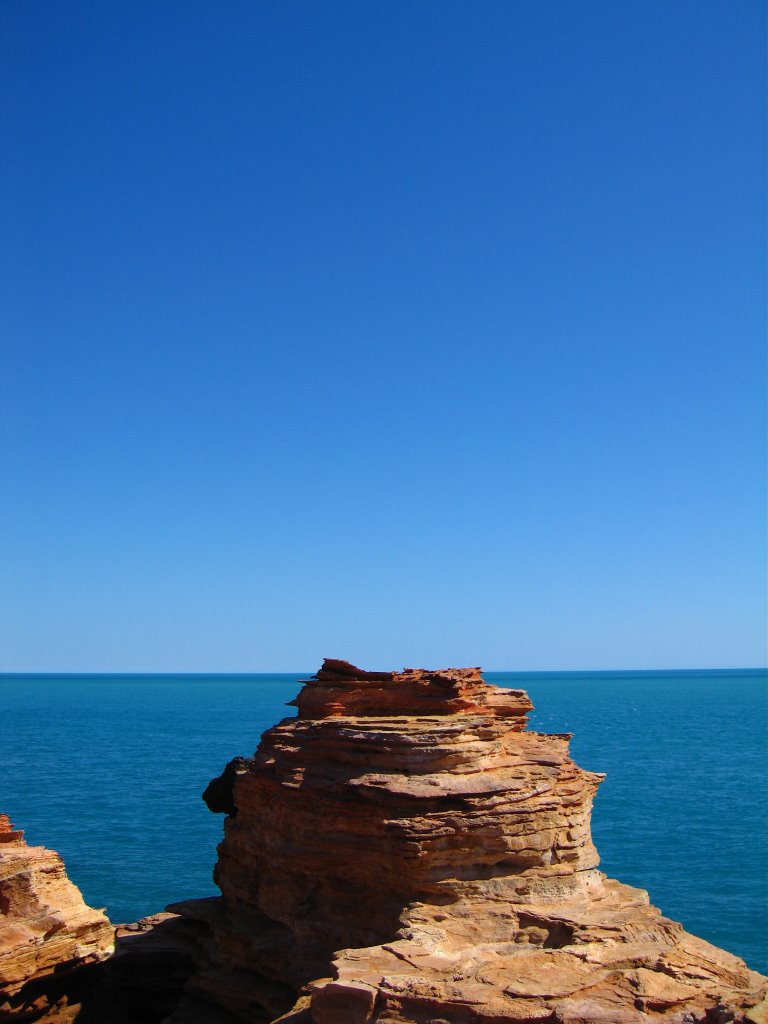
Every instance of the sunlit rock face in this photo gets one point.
(405, 852)
(49, 939)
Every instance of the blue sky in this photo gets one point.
(412, 333)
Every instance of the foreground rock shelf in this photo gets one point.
(402, 852)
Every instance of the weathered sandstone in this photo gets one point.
(404, 852)
(49, 938)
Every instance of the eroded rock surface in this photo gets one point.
(404, 852)
(49, 939)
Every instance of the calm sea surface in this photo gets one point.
(108, 770)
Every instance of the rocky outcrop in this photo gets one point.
(405, 852)
(50, 941)
(402, 852)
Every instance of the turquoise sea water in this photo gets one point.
(108, 770)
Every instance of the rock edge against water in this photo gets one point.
(402, 852)
(50, 941)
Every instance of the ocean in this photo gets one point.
(108, 770)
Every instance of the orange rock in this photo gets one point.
(48, 936)
(403, 852)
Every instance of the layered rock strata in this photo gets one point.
(49, 939)
(405, 852)
(402, 852)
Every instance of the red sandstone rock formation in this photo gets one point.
(405, 853)
(48, 936)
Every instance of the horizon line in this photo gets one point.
(287, 672)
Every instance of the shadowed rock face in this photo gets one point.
(49, 939)
(404, 852)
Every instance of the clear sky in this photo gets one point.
(412, 332)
